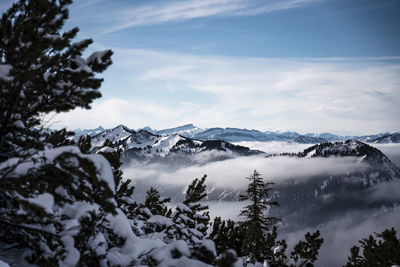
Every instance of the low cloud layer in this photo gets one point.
(339, 234)
(274, 147)
(231, 173)
(392, 151)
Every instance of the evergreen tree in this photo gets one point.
(189, 223)
(305, 252)
(276, 249)
(257, 223)
(60, 138)
(156, 204)
(123, 188)
(40, 188)
(227, 235)
(383, 251)
(195, 193)
(46, 72)
(85, 143)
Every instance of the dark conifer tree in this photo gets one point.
(227, 235)
(85, 144)
(257, 223)
(195, 193)
(191, 214)
(46, 72)
(60, 138)
(384, 250)
(305, 252)
(155, 203)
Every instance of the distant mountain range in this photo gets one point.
(239, 135)
(309, 202)
(172, 148)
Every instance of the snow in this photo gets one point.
(45, 200)
(119, 223)
(82, 65)
(278, 249)
(165, 252)
(182, 262)
(311, 153)
(182, 207)
(36, 160)
(5, 71)
(52, 36)
(103, 168)
(22, 166)
(78, 209)
(73, 254)
(209, 245)
(3, 264)
(147, 211)
(160, 220)
(97, 56)
(106, 149)
(19, 124)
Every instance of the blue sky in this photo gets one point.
(302, 65)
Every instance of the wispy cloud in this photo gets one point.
(346, 96)
(161, 12)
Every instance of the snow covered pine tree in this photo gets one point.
(59, 205)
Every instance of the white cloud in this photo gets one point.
(345, 96)
(161, 12)
(274, 147)
(392, 151)
(231, 173)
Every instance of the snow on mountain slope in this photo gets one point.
(241, 135)
(116, 134)
(390, 138)
(91, 132)
(318, 199)
(371, 137)
(349, 148)
(188, 130)
(145, 146)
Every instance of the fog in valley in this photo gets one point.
(228, 177)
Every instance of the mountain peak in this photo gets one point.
(351, 148)
(188, 130)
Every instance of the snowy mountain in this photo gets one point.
(318, 199)
(389, 138)
(188, 130)
(239, 135)
(145, 146)
(91, 132)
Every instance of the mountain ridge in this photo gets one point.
(231, 134)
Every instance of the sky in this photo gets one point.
(277, 65)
